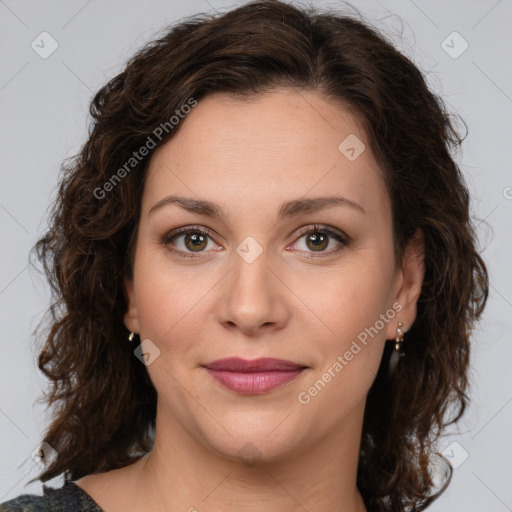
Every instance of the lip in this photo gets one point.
(264, 364)
(252, 377)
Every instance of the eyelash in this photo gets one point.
(345, 241)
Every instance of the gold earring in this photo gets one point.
(397, 353)
(399, 339)
(130, 337)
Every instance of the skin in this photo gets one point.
(249, 157)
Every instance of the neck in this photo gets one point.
(183, 472)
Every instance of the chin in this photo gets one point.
(255, 442)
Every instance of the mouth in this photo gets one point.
(253, 377)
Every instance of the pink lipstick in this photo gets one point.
(253, 377)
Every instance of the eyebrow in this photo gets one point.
(289, 209)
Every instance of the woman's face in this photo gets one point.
(251, 279)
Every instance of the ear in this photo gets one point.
(409, 281)
(131, 317)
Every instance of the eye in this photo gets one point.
(196, 241)
(320, 238)
(189, 240)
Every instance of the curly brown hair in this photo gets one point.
(104, 402)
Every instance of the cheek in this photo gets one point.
(354, 304)
(350, 298)
(169, 298)
(350, 354)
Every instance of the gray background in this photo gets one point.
(44, 119)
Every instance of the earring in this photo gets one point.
(130, 337)
(397, 353)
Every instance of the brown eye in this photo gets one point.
(195, 241)
(321, 241)
(317, 241)
(190, 242)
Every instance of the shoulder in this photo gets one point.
(69, 497)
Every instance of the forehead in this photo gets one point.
(283, 144)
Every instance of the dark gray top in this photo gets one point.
(68, 498)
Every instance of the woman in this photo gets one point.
(265, 277)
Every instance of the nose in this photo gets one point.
(253, 298)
